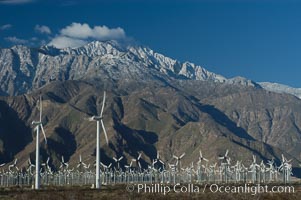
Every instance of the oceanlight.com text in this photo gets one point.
(212, 188)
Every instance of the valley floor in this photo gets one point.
(122, 192)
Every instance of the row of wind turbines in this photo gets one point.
(158, 171)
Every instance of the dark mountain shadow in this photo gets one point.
(224, 120)
(135, 142)
(61, 143)
(104, 158)
(14, 133)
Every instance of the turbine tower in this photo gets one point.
(99, 119)
(38, 125)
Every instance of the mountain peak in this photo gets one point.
(30, 68)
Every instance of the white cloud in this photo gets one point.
(16, 40)
(5, 27)
(42, 29)
(78, 34)
(15, 1)
(63, 42)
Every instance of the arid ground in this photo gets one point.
(120, 192)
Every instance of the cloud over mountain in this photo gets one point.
(42, 29)
(16, 40)
(77, 34)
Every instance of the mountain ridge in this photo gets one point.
(25, 69)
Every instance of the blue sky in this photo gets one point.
(257, 39)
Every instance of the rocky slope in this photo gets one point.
(152, 117)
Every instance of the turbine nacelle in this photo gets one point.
(36, 123)
(95, 118)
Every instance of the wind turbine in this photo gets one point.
(38, 125)
(179, 158)
(225, 158)
(158, 159)
(30, 165)
(225, 163)
(46, 166)
(80, 163)
(14, 165)
(99, 119)
(64, 164)
(201, 158)
(138, 160)
(118, 161)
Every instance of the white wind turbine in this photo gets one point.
(179, 158)
(14, 165)
(64, 165)
(158, 159)
(138, 160)
(99, 119)
(80, 164)
(201, 158)
(118, 161)
(38, 125)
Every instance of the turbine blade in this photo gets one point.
(201, 155)
(226, 154)
(43, 133)
(104, 130)
(115, 159)
(254, 158)
(103, 103)
(139, 156)
(120, 158)
(41, 108)
(182, 155)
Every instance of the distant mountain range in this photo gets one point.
(24, 69)
(155, 103)
(280, 88)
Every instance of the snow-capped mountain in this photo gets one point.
(280, 88)
(23, 69)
